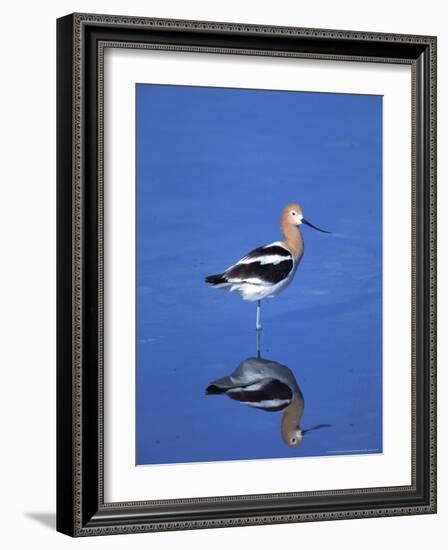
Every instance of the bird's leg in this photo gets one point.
(258, 322)
(258, 328)
(258, 344)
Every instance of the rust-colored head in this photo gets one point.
(293, 438)
(292, 214)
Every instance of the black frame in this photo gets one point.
(81, 510)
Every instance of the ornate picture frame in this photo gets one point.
(81, 506)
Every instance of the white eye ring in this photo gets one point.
(293, 213)
(293, 440)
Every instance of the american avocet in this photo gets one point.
(269, 386)
(267, 270)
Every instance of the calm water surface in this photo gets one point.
(214, 169)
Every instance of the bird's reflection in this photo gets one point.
(269, 386)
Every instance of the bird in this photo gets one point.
(270, 386)
(269, 269)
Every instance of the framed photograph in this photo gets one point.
(246, 274)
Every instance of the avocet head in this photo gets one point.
(294, 438)
(293, 215)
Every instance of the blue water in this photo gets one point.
(214, 169)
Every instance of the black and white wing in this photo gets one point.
(266, 265)
(268, 394)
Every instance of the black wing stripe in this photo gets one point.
(268, 389)
(267, 273)
(274, 250)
